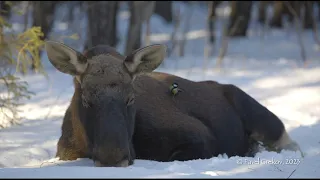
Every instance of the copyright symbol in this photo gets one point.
(239, 161)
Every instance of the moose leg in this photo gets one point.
(261, 123)
(190, 151)
(172, 136)
(196, 143)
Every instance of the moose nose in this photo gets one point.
(123, 163)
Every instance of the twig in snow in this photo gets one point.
(49, 162)
(277, 168)
(294, 169)
(291, 173)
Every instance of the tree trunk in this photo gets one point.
(43, 16)
(140, 11)
(211, 18)
(26, 16)
(134, 30)
(278, 11)
(164, 9)
(280, 8)
(318, 4)
(262, 11)
(102, 23)
(210, 27)
(240, 11)
(296, 6)
(72, 5)
(308, 14)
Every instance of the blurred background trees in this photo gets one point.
(17, 52)
(21, 50)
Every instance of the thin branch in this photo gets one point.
(299, 31)
(26, 15)
(176, 22)
(186, 30)
(210, 30)
(315, 26)
(225, 38)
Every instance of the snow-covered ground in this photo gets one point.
(268, 68)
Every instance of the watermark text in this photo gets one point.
(258, 160)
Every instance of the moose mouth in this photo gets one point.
(123, 163)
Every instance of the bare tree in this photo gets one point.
(262, 11)
(225, 41)
(318, 4)
(280, 10)
(102, 23)
(173, 39)
(240, 9)
(315, 30)
(210, 27)
(26, 15)
(164, 9)
(140, 11)
(72, 5)
(43, 15)
(299, 28)
(148, 25)
(297, 7)
(183, 39)
(308, 14)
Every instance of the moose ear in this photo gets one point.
(145, 59)
(65, 59)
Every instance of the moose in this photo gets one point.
(122, 110)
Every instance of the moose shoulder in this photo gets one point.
(122, 110)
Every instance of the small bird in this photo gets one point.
(174, 89)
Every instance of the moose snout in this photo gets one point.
(122, 163)
(111, 157)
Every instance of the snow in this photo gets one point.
(268, 68)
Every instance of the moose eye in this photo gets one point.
(130, 100)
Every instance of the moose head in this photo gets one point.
(105, 107)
